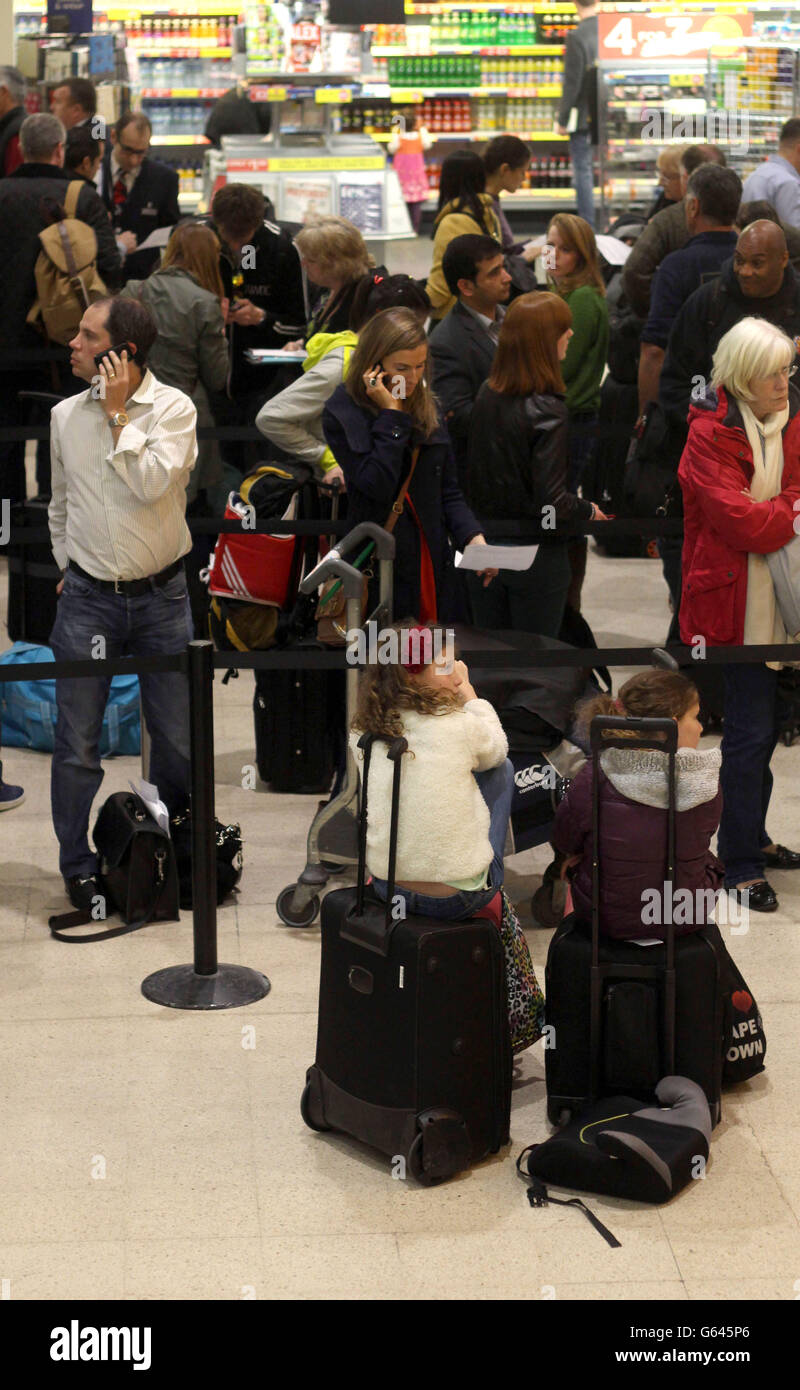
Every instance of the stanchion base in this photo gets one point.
(179, 987)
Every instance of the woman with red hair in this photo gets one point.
(517, 465)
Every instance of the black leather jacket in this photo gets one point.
(518, 459)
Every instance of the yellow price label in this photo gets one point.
(321, 163)
(684, 79)
(327, 96)
(403, 95)
(269, 93)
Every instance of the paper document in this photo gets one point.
(156, 239)
(152, 801)
(270, 355)
(496, 557)
(614, 250)
(572, 121)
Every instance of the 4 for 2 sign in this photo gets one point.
(669, 36)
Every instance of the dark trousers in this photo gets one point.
(750, 733)
(525, 600)
(670, 549)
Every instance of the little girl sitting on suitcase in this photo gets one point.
(456, 784)
(633, 816)
(633, 838)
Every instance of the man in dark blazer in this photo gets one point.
(462, 346)
(140, 193)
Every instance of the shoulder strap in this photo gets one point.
(399, 502)
(65, 921)
(73, 194)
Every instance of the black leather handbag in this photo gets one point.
(138, 872)
(228, 840)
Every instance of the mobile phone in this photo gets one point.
(118, 348)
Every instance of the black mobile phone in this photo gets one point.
(118, 348)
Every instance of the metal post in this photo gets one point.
(206, 984)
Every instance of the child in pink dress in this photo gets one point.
(407, 146)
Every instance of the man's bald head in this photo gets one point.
(760, 259)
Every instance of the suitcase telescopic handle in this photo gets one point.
(367, 929)
(660, 735)
(368, 531)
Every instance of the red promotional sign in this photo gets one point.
(668, 35)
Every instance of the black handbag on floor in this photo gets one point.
(228, 839)
(137, 870)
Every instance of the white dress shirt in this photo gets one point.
(119, 510)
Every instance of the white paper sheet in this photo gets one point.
(270, 355)
(156, 239)
(152, 801)
(614, 250)
(496, 557)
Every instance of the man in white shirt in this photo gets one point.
(777, 180)
(121, 455)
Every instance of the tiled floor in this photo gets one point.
(150, 1153)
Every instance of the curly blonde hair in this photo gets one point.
(385, 691)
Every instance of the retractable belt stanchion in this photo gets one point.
(206, 984)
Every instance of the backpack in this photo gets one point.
(253, 579)
(66, 275)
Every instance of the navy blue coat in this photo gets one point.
(374, 453)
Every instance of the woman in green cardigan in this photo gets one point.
(571, 260)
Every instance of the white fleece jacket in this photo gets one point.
(443, 826)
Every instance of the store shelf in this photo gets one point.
(382, 136)
(179, 140)
(522, 50)
(531, 198)
(181, 93)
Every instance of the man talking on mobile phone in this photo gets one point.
(121, 454)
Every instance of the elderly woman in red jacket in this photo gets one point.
(740, 476)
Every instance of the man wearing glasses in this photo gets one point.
(141, 193)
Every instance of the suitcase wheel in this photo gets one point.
(288, 915)
(415, 1168)
(306, 1110)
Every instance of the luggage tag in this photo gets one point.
(538, 1196)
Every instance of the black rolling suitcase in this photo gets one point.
(623, 1015)
(299, 717)
(32, 578)
(413, 1047)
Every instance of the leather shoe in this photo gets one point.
(759, 897)
(781, 858)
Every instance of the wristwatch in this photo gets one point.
(118, 419)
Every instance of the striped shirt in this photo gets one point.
(119, 511)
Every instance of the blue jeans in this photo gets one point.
(157, 623)
(497, 790)
(580, 149)
(750, 733)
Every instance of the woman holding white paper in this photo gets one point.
(517, 467)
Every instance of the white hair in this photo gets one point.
(39, 136)
(14, 83)
(751, 350)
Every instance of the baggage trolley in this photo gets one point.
(333, 836)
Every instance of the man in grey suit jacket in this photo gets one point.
(462, 345)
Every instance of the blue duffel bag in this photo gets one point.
(29, 708)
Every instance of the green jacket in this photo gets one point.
(585, 362)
